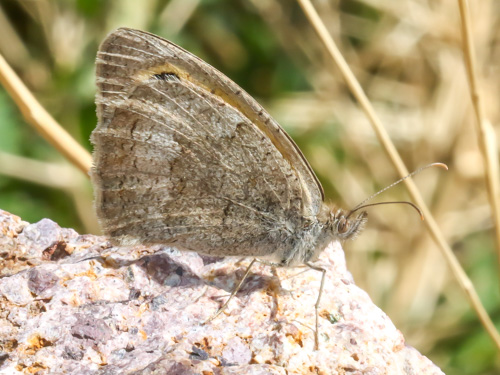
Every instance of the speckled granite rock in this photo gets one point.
(72, 304)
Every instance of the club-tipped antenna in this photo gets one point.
(363, 205)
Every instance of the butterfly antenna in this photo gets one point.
(392, 202)
(363, 205)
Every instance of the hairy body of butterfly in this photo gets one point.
(184, 157)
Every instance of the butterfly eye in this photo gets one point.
(343, 225)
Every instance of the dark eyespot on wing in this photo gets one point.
(166, 76)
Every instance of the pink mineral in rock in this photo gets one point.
(101, 309)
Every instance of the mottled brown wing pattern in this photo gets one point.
(181, 160)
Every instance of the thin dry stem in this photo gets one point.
(177, 13)
(56, 176)
(485, 132)
(41, 120)
(384, 139)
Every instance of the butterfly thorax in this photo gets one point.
(317, 232)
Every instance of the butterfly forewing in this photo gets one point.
(183, 156)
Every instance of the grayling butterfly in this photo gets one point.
(184, 157)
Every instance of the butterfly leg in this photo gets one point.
(316, 306)
(233, 293)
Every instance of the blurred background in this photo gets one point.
(407, 55)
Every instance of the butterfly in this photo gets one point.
(184, 157)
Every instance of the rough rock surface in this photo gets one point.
(73, 304)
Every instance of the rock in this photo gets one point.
(72, 304)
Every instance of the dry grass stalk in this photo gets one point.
(485, 132)
(42, 121)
